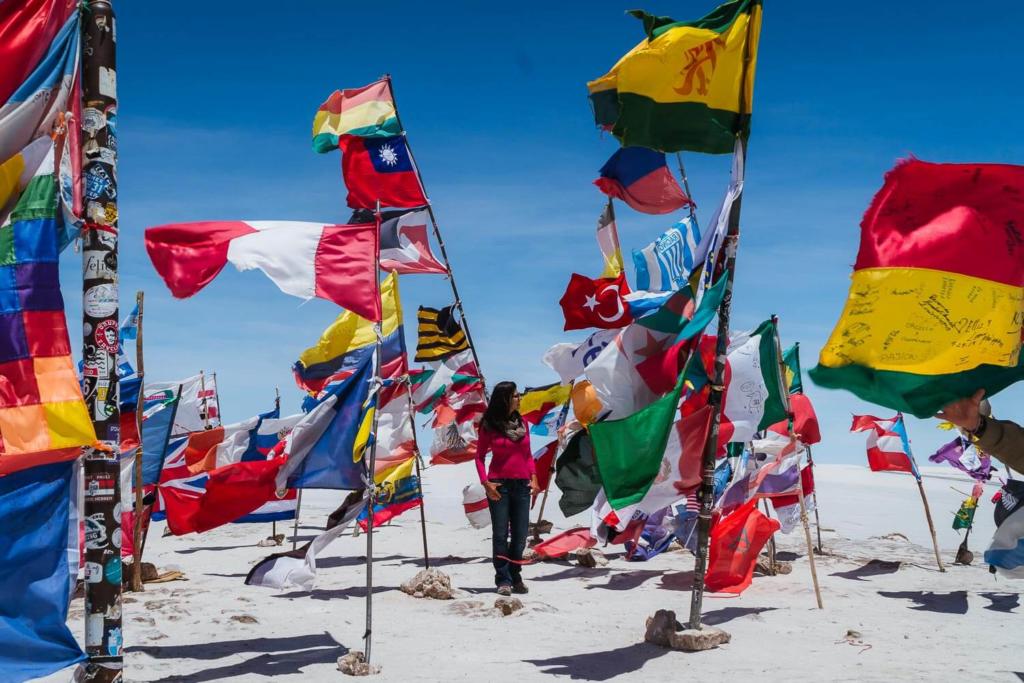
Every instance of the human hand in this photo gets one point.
(965, 413)
(534, 486)
(492, 490)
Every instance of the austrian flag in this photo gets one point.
(333, 262)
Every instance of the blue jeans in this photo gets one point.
(510, 516)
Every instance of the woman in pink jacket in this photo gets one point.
(509, 482)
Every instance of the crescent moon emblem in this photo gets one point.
(618, 304)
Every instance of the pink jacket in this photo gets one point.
(510, 460)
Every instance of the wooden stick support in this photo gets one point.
(931, 525)
(810, 546)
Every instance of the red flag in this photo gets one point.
(543, 465)
(232, 491)
(595, 303)
(380, 169)
(736, 541)
(805, 420)
(564, 543)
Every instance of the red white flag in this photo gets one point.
(888, 445)
(595, 303)
(333, 262)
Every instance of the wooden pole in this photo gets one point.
(814, 498)
(727, 269)
(437, 234)
(807, 537)
(100, 324)
(931, 524)
(781, 369)
(771, 542)
(139, 455)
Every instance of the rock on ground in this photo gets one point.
(429, 583)
(508, 605)
(663, 630)
(354, 664)
(591, 557)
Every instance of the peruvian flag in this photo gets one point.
(333, 262)
(380, 170)
(888, 445)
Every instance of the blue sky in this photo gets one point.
(217, 99)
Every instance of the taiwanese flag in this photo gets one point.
(380, 169)
(640, 177)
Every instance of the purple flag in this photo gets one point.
(965, 457)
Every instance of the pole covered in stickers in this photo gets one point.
(103, 636)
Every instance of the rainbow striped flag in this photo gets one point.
(936, 304)
(367, 112)
(43, 418)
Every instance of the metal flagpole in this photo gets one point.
(295, 526)
(437, 233)
(419, 475)
(216, 398)
(139, 456)
(277, 407)
(202, 400)
(686, 184)
(781, 369)
(371, 466)
(103, 632)
(707, 487)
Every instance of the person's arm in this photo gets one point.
(531, 468)
(1003, 440)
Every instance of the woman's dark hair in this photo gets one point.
(499, 409)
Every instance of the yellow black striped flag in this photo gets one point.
(439, 334)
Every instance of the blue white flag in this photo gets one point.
(1006, 553)
(130, 325)
(665, 265)
(34, 587)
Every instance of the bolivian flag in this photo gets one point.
(688, 86)
(936, 306)
(367, 112)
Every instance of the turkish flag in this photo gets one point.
(595, 302)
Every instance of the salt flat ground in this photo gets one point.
(588, 624)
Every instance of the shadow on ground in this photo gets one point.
(600, 666)
(871, 568)
(954, 602)
(278, 656)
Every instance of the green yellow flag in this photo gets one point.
(688, 86)
(794, 378)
